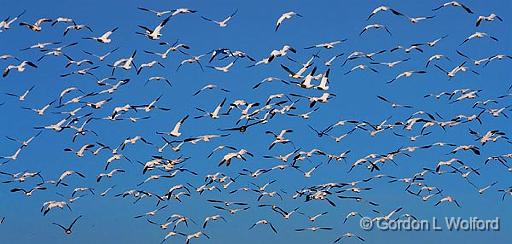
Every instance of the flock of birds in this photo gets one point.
(77, 114)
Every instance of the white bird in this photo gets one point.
(348, 235)
(264, 222)
(73, 112)
(324, 98)
(224, 69)
(42, 110)
(20, 67)
(24, 143)
(306, 82)
(133, 140)
(176, 130)
(383, 9)
(124, 63)
(448, 199)
(173, 48)
(196, 236)
(214, 114)
(415, 46)
(212, 218)
(172, 234)
(78, 63)
(158, 78)
(85, 71)
(193, 59)
(324, 81)
(278, 53)
(66, 174)
(331, 60)
(6, 24)
(222, 23)
(387, 217)
(149, 65)
(81, 189)
(41, 45)
(37, 25)
(327, 45)
(151, 213)
(208, 87)
(29, 192)
(448, 163)
(434, 42)
(435, 57)
(105, 38)
(351, 214)
(483, 189)
(454, 71)
(284, 17)
(497, 57)
(415, 20)
(314, 228)
(113, 87)
(407, 74)
(14, 156)
(56, 51)
(240, 155)
(59, 126)
(454, 4)
(391, 64)
(47, 206)
(375, 26)
(316, 216)
(154, 34)
(393, 105)
(279, 138)
(269, 79)
(109, 175)
(75, 26)
(298, 74)
(62, 20)
(182, 11)
(361, 67)
(157, 13)
(8, 56)
(148, 107)
(308, 173)
(101, 57)
(23, 96)
(489, 18)
(478, 35)
(80, 152)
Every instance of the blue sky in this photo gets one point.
(110, 219)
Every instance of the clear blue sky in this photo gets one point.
(110, 220)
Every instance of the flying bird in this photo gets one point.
(222, 23)
(454, 4)
(284, 17)
(154, 34)
(68, 230)
(105, 38)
